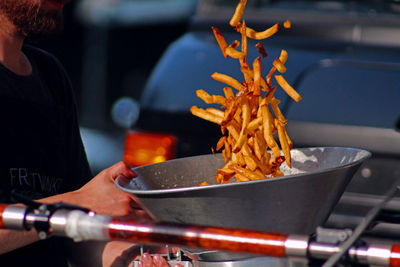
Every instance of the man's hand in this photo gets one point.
(122, 254)
(155, 261)
(102, 196)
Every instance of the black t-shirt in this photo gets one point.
(41, 148)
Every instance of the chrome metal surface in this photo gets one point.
(379, 254)
(321, 251)
(360, 229)
(332, 236)
(214, 255)
(353, 207)
(13, 217)
(296, 245)
(251, 262)
(136, 263)
(296, 203)
(79, 225)
(374, 254)
(58, 221)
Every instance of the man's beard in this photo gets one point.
(29, 19)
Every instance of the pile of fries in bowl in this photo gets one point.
(249, 115)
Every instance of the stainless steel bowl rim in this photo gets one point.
(269, 180)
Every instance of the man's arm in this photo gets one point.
(11, 239)
(100, 195)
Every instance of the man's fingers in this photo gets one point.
(121, 168)
(147, 260)
(160, 261)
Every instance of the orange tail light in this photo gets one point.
(147, 148)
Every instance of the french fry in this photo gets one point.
(251, 161)
(270, 73)
(261, 50)
(268, 125)
(262, 166)
(230, 112)
(268, 98)
(288, 89)
(279, 65)
(213, 151)
(237, 158)
(199, 112)
(278, 173)
(245, 172)
(232, 130)
(264, 85)
(218, 113)
(260, 174)
(283, 56)
(250, 141)
(276, 162)
(240, 159)
(284, 142)
(264, 34)
(244, 39)
(226, 153)
(220, 40)
(245, 121)
(237, 119)
(235, 20)
(257, 76)
(241, 178)
(278, 114)
(221, 142)
(243, 63)
(226, 172)
(235, 44)
(261, 143)
(254, 103)
(251, 164)
(210, 99)
(287, 24)
(228, 92)
(248, 74)
(220, 178)
(254, 124)
(265, 160)
(233, 53)
(290, 143)
(227, 80)
(257, 150)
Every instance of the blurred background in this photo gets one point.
(135, 65)
(109, 48)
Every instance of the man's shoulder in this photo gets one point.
(40, 55)
(51, 72)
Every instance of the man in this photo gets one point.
(42, 156)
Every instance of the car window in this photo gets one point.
(350, 92)
(338, 6)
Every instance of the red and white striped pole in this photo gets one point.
(79, 226)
